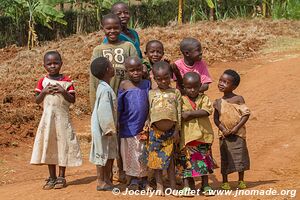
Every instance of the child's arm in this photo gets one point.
(189, 115)
(221, 127)
(244, 118)
(39, 96)
(106, 114)
(204, 110)
(178, 123)
(204, 87)
(68, 96)
(241, 123)
(178, 76)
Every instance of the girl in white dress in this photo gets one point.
(55, 142)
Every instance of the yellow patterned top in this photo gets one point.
(165, 104)
(197, 129)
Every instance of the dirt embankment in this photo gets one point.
(20, 69)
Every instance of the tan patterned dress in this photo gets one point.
(55, 142)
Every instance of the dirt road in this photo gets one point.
(270, 87)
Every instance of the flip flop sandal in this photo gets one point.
(50, 183)
(225, 186)
(60, 183)
(105, 188)
(242, 185)
(144, 185)
(134, 185)
(208, 191)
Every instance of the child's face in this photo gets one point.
(195, 53)
(112, 29)
(162, 78)
(111, 70)
(154, 52)
(52, 64)
(122, 11)
(192, 87)
(225, 83)
(135, 72)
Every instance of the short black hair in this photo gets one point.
(129, 60)
(236, 77)
(187, 43)
(192, 75)
(154, 41)
(110, 16)
(99, 67)
(52, 53)
(161, 65)
(118, 3)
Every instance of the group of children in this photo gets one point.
(139, 119)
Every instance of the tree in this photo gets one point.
(42, 11)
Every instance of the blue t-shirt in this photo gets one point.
(133, 108)
(135, 42)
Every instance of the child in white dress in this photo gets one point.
(55, 142)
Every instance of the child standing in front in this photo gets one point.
(165, 122)
(104, 147)
(195, 159)
(230, 116)
(192, 62)
(133, 110)
(55, 142)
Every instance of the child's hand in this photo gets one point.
(174, 68)
(234, 130)
(186, 116)
(167, 60)
(58, 89)
(142, 136)
(176, 137)
(48, 89)
(226, 132)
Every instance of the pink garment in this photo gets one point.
(199, 67)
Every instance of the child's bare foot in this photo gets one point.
(160, 190)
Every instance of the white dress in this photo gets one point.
(55, 142)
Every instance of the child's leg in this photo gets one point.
(171, 174)
(225, 185)
(192, 183)
(241, 176)
(100, 175)
(159, 180)
(52, 171)
(225, 178)
(62, 171)
(122, 175)
(52, 178)
(204, 181)
(242, 184)
(186, 182)
(61, 181)
(108, 171)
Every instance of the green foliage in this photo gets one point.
(289, 9)
(85, 15)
